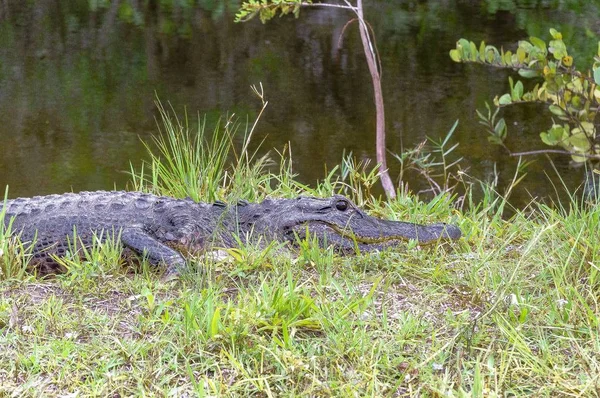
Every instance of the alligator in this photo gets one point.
(166, 230)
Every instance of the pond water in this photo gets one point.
(79, 79)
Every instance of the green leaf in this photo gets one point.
(473, 51)
(589, 129)
(528, 73)
(525, 45)
(455, 55)
(214, 323)
(500, 129)
(558, 49)
(545, 139)
(597, 73)
(508, 58)
(557, 110)
(517, 91)
(492, 139)
(579, 140)
(464, 46)
(521, 55)
(539, 43)
(491, 54)
(555, 34)
(556, 135)
(505, 99)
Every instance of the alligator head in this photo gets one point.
(335, 221)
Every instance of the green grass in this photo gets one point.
(512, 309)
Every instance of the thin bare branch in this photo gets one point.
(339, 43)
(330, 5)
(545, 151)
(370, 55)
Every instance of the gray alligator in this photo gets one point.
(165, 229)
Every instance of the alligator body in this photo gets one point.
(165, 229)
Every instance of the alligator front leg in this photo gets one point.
(156, 252)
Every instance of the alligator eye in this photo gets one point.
(341, 205)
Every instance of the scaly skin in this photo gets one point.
(162, 228)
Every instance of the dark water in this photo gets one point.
(78, 81)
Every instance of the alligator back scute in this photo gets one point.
(142, 203)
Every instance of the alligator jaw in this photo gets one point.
(401, 231)
(370, 233)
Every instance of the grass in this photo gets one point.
(510, 310)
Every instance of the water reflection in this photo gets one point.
(78, 81)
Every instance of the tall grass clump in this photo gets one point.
(13, 254)
(200, 165)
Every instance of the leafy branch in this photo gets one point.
(571, 96)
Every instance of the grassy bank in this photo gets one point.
(510, 309)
